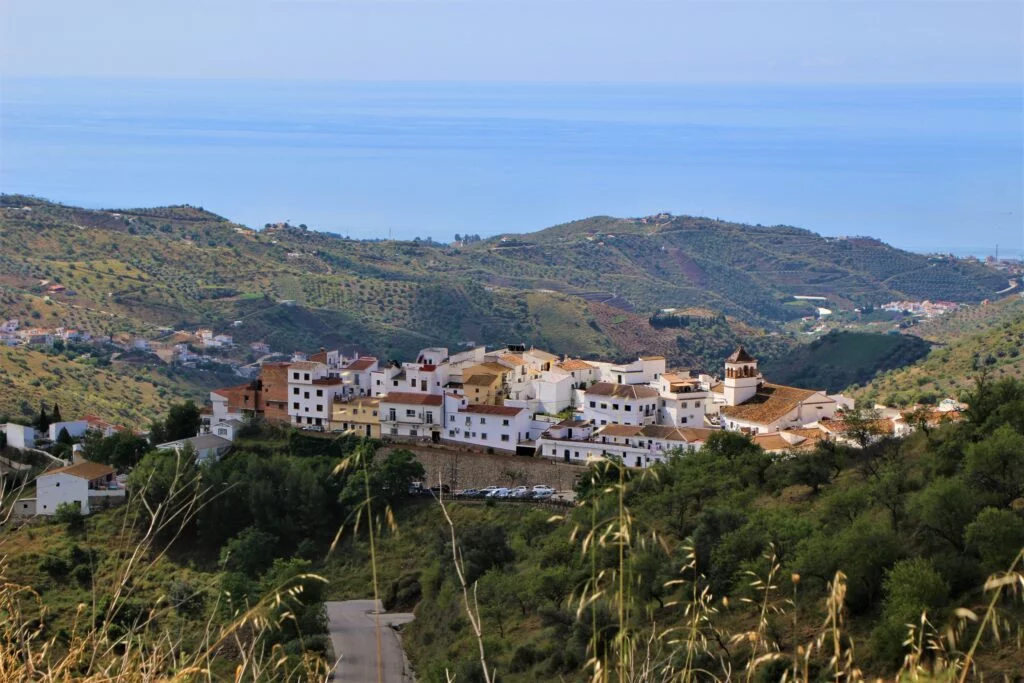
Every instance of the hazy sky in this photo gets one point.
(832, 41)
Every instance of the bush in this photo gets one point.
(70, 514)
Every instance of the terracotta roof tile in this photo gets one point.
(631, 391)
(84, 470)
(771, 402)
(409, 398)
(575, 364)
(491, 410)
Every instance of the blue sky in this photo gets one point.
(719, 41)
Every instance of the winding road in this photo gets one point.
(353, 632)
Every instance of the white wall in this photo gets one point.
(54, 489)
(500, 432)
(76, 428)
(20, 436)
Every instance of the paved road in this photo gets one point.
(353, 632)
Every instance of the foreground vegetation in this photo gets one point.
(726, 564)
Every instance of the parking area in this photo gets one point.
(464, 469)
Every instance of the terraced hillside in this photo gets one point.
(973, 340)
(137, 269)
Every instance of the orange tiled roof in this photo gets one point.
(771, 402)
(84, 470)
(620, 430)
(491, 410)
(632, 391)
(575, 364)
(364, 363)
(409, 398)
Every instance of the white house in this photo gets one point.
(411, 415)
(487, 426)
(356, 376)
(208, 447)
(76, 429)
(583, 374)
(227, 429)
(630, 404)
(311, 393)
(83, 482)
(684, 400)
(643, 370)
(20, 436)
(433, 356)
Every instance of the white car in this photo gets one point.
(543, 488)
(498, 493)
(519, 492)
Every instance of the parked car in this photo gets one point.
(467, 493)
(487, 490)
(416, 488)
(543, 495)
(498, 493)
(542, 488)
(519, 492)
(438, 490)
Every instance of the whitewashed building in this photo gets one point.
(630, 404)
(76, 429)
(486, 426)
(411, 415)
(83, 483)
(311, 393)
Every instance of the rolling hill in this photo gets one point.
(567, 287)
(978, 339)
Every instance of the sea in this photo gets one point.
(923, 167)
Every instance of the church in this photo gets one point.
(746, 403)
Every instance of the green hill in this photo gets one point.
(971, 341)
(137, 269)
(840, 359)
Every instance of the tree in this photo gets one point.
(911, 587)
(121, 450)
(70, 513)
(995, 465)
(251, 552)
(996, 536)
(943, 509)
(56, 414)
(183, 421)
(63, 437)
(43, 421)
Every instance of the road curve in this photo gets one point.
(353, 631)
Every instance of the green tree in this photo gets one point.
(121, 450)
(995, 465)
(943, 509)
(70, 514)
(183, 420)
(912, 586)
(997, 536)
(43, 420)
(251, 552)
(56, 414)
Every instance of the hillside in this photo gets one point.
(127, 394)
(987, 338)
(840, 359)
(138, 269)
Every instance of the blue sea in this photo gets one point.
(922, 167)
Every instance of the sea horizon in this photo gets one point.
(916, 166)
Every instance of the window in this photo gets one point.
(504, 423)
(451, 418)
(483, 436)
(413, 432)
(684, 420)
(394, 382)
(593, 404)
(305, 376)
(295, 375)
(451, 432)
(409, 412)
(305, 394)
(430, 417)
(412, 383)
(615, 406)
(483, 420)
(295, 391)
(604, 405)
(628, 408)
(696, 404)
(319, 393)
(375, 413)
(683, 404)
(504, 437)
(295, 406)
(394, 431)
(319, 408)
(391, 415)
(57, 484)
